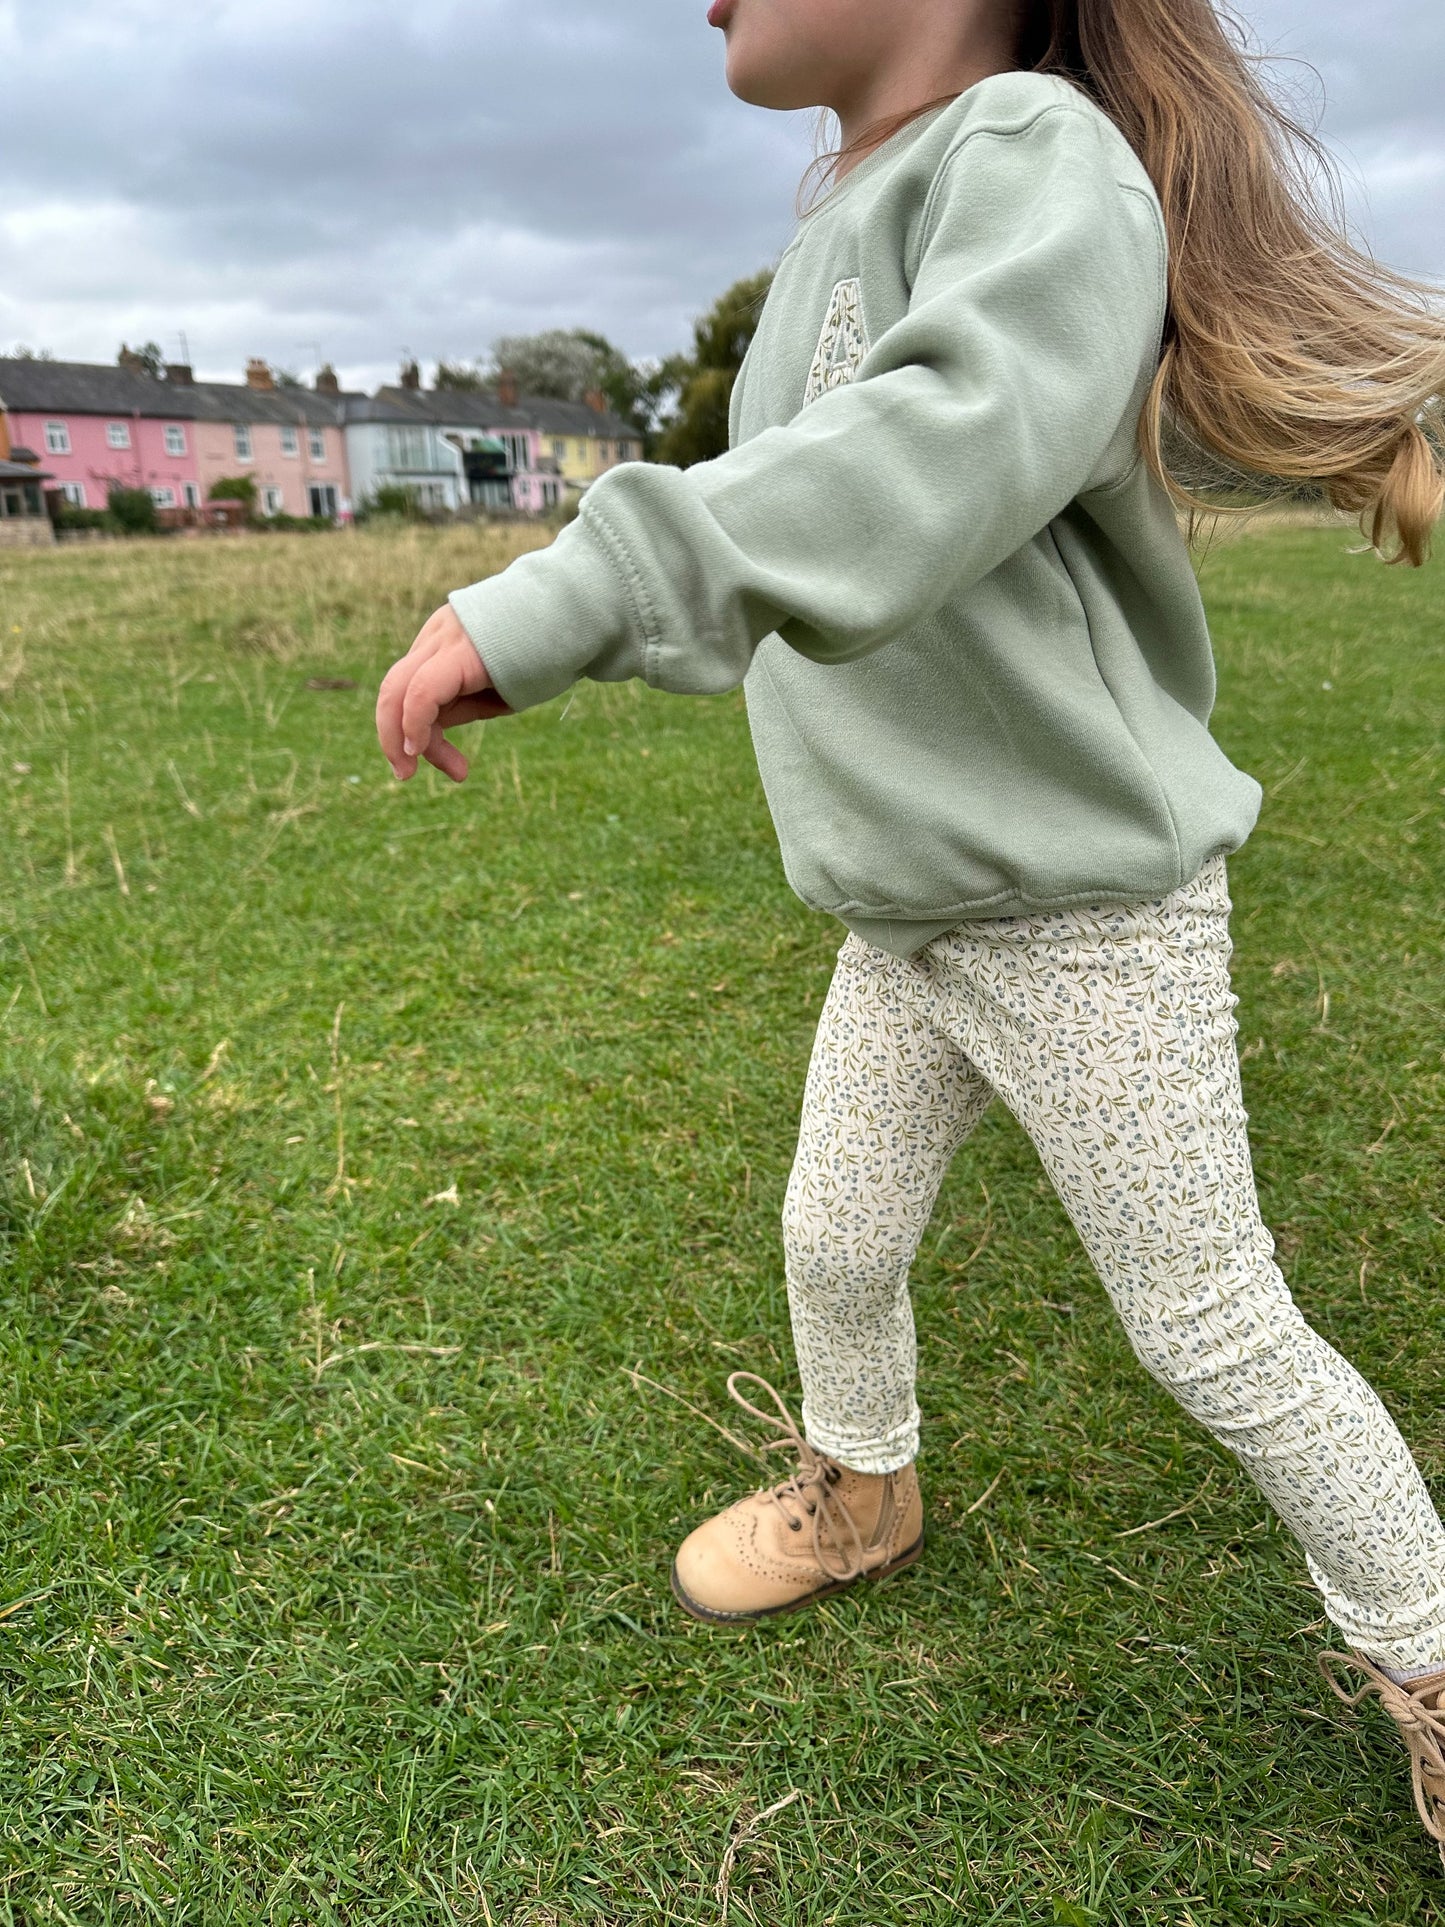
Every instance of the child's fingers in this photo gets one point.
(389, 700)
(480, 708)
(446, 757)
(388, 715)
(436, 681)
(392, 694)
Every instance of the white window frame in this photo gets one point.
(74, 493)
(57, 438)
(519, 453)
(175, 439)
(191, 494)
(329, 491)
(241, 435)
(290, 445)
(164, 498)
(409, 449)
(559, 449)
(117, 434)
(316, 444)
(273, 501)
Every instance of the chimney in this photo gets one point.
(507, 388)
(129, 359)
(327, 382)
(410, 377)
(596, 401)
(258, 374)
(180, 374)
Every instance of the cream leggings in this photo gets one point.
(1109, 1033)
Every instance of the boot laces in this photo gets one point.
(1422, 1726)
(807, 1497)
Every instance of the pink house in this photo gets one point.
(97, 428)
(288, 440)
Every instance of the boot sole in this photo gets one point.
(908, 1557)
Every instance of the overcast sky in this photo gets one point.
(275, 177)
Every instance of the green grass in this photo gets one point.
(358, 1142)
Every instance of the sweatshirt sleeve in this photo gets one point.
(1012, 384)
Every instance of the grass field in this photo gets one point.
(363, 1144)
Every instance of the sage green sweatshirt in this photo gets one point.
(977, 669)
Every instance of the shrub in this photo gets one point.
(132, 510)
(392, 498)
(294, 524)
(70, 517)
(234, 488)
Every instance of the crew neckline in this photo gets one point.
(893, 145)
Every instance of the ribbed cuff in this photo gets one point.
(552, 617)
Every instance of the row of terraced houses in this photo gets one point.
(83, 428)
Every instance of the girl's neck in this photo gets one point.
(886, 100)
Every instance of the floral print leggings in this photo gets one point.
(1109, 1032)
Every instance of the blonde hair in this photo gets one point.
(1289, 355)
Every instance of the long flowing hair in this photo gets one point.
(1290, 356)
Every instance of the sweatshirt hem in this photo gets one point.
(905, 932)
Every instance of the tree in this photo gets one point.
(697, 427)
(459, 378)
(23, 352)
(149, 356)
(566, 364)
(561, 363)
(634, 390)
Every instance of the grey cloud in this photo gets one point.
(373, 176)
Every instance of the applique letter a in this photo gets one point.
(842, 343)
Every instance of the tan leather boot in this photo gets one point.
(1418, 1708)
(820, 1530)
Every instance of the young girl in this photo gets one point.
(942, 557)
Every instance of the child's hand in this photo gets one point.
(439, 684)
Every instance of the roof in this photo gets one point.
(98, 388)
(234, 401)
(88, 388)
(468, 408)
(388, 405)
(23, 472)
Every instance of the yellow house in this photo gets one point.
(582, 439)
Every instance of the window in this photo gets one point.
(582, 451)
(117, 434)
(74, 493)
(559, 451)
(407, 448)
(289, 443)
(518, 453)
(242, 432)
(191, 494)
(272, 501)
(164, 498)
(604, 451)
(316, 444)
(57, 438)
(322, 499)
(175, 439)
